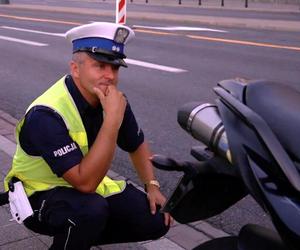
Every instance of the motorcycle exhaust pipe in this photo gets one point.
(204, 123)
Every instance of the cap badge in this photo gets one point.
(121, 35)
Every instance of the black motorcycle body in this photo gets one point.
(261, 121)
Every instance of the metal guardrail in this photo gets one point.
(199, 2)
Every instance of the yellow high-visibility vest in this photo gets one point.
(33, 171)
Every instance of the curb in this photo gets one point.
(265, 24)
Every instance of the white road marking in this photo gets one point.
(179, 28)
(33, 31)
(155, 66)
(129, 61)
(12, 39)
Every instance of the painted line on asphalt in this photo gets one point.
(33, 31)
(223, 40)
(155, 66)
(129, 61)
(12, 39)
(242, 42)
(7, 146)
(178, 28)
(156, 32)
(40, 19)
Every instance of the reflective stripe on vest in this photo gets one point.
(33, 171)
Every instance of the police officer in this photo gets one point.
(66, 143)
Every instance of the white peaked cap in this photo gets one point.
(102, 40)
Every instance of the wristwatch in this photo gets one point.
(151, 182)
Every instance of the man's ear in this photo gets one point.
(74, 69)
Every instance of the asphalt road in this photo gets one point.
(187, 7)
(155, 94)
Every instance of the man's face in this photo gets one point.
(89, 73)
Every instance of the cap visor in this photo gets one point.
(108, 59)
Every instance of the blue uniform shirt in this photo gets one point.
(44, 132)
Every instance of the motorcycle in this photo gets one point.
(249, 145)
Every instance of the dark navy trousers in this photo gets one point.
(80, 220)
